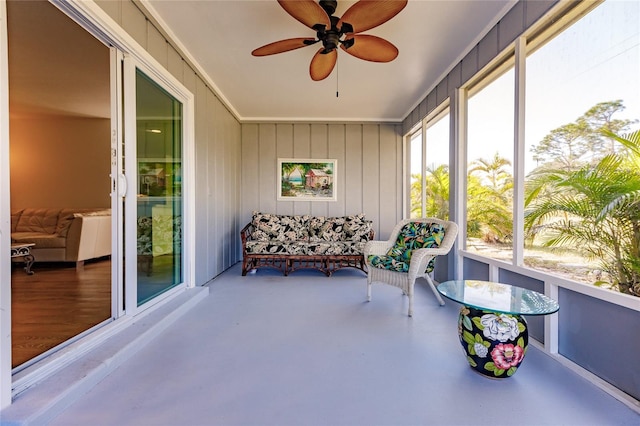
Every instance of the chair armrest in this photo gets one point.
(376, 247)
(245, 233)
(420, 258)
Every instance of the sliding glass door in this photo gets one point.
(154, 209)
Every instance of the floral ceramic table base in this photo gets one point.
(495, 344)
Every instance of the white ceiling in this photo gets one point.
(431, 35)
(50, 74)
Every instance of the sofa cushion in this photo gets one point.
(356, 228)
(64, 222)
(15, 216)
(40, 240)
(38, 220)
(335, 248)
(276, 247)
(283, 228)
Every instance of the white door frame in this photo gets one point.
(97, 22)
(5, 214)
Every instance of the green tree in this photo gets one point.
(576, 144)
(437, 193)
(595, 209)
(489, 199)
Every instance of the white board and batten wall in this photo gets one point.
(369, 169)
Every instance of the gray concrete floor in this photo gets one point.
(308, 350)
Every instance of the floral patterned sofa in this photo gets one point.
(291, 242)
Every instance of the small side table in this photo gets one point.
(23, 250)
(491, 326)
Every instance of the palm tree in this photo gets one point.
(595, 209)
(489, 199)
(437, 193)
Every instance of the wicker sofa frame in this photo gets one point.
(288, 262)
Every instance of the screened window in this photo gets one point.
(490, 169)
(581, 155)
(429, 168)
(574, 172)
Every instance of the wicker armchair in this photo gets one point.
(401, 269)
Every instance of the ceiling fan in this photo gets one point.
(332, 32)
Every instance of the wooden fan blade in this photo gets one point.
(371, 48)
(367, 14)
(322, 64)
(308, 12)
(282, 46)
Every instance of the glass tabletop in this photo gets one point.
(497, 297)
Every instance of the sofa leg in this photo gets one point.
(79, 265)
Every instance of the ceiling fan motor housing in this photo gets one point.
(330, 38)
(329, 6)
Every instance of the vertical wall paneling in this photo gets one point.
(442, 92)
(175, 63)
(399, 174)
(113, 8)
(217, 232)
(488, 48)
(284, 149)
(134, 22)
(237, 224)
(319, 149)
(422, 108)
(201, 184)
(533, 10)
(455, 78)
(232, 148)
(511, 26)
(267, 163)
(390, 174)
(157, 45)
(302, 149)
(249, 174)
(432, 103)
(353, 169)
(371, 171)
(209, 175)
(336, 149)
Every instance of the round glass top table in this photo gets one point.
(491, 326)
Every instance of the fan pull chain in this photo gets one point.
(337, 76)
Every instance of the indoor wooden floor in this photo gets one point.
(55, 304)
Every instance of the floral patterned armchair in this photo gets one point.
(409, 254)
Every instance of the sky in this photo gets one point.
(595, 60)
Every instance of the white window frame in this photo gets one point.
(423, 127)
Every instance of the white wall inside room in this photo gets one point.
(60, 162)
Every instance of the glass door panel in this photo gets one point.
(159, 129)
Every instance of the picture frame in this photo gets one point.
(307, 179)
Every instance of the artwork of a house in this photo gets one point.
(316, 178)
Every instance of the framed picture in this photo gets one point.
(159, 177)
(307, 179)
